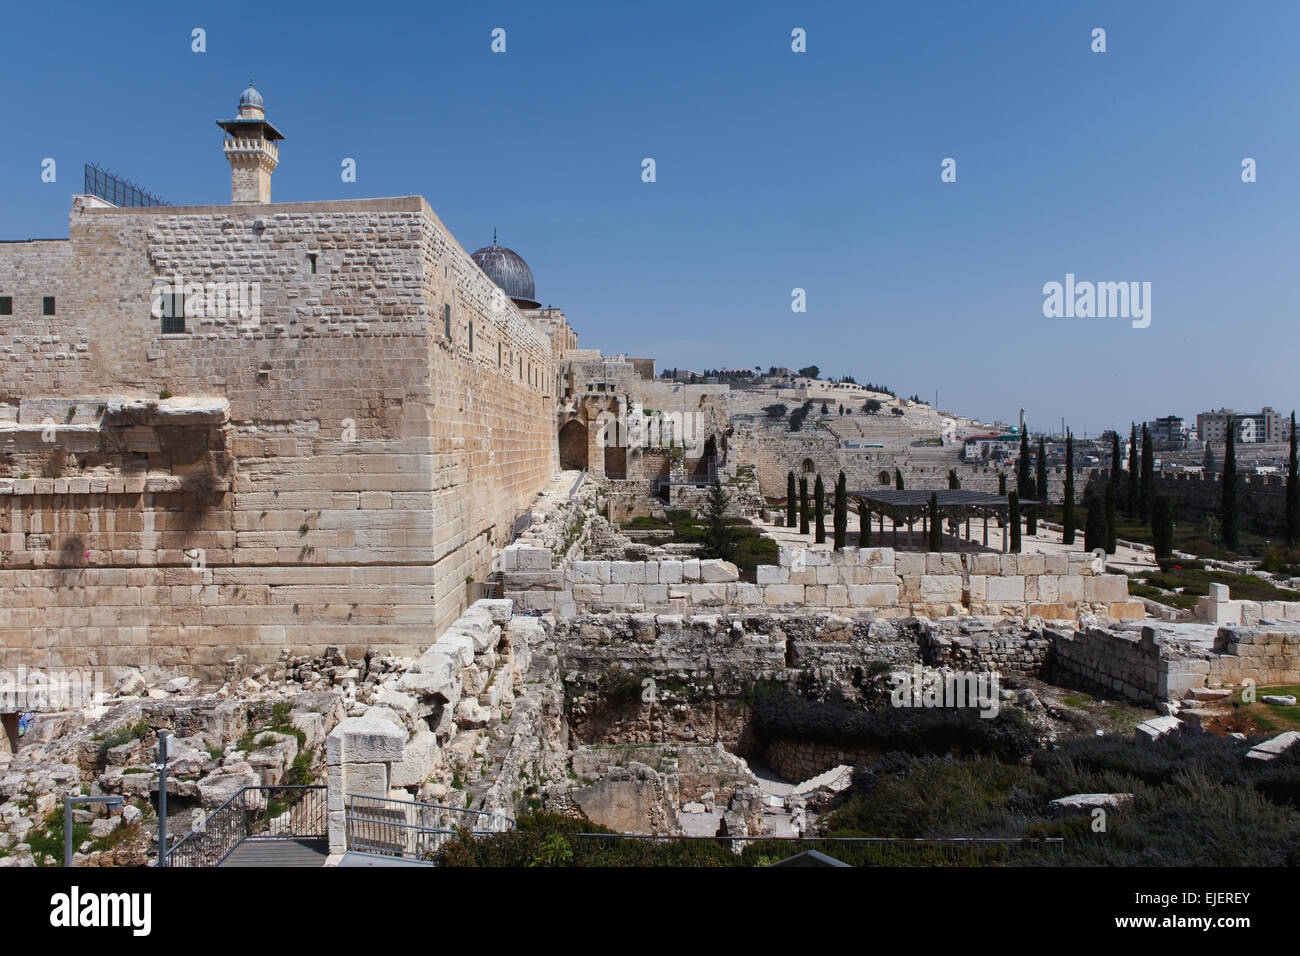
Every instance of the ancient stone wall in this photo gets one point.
(390, 412)
(876, 581)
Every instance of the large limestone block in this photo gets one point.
(419, 757)
(874, 595)
(1272, 749)
(940, 588)
(670, 572)
(1010, 589)
(627, 572)
(499, 609)
(369, 738)
(1071, 588)
(779, 594)
(909, 563)
(458, 646)
(1152, 730)
(1107, 588)
(716, 571)
(591, 572)
(771, 574)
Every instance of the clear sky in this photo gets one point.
(775, 170)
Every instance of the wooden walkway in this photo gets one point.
(279, 852)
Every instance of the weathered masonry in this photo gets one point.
(240, 429)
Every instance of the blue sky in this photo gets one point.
(775, 170)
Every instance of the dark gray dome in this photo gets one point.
(508, 270)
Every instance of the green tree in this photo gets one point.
(841, 518)
(864, 525)
(1025, 490)
(1134, 469)
(1094, 525)
(1111, 537)
(791, 504)
(1293, 491)
(1040, 470)
(1002, 483)
(1067, 497)
(1148, 475)
(1207, 463)
(1229, 505)
(820, 505)
(1014, 521)
(936, 523)
(805, 513)
(1162, 527)
(1116, 462)
(898, 479)
(719, 534)
(953, 481)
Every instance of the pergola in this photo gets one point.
(904, 507)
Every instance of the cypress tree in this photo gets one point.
(804, 512)
(936, 523)
(1293, 491)
(898, 479)
(1025, 489)
(1040, 470)
(819, 503)
(953, 481)
(791, 505)
(1024, 477)
(1111, 495)
(1230, 489)
(719, 536)
(1162, 527)
(1014, 502)
(864, 525)
(1002, 483)
(1116, 462)
(1094, 525)
(1148, 475)
(1207, 463)
(1067, 500)
(841, 513)
(1131, 501)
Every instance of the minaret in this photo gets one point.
(250, 146)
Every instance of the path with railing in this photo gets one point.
(259, 826)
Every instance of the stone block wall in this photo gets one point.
(878, 581)
(1267, 654)
(389, 413)
(804, 759)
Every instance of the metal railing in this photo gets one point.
(120, 192)
(412, 830)
(289, 813)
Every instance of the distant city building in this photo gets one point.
(1263, 426)
(1169, 433)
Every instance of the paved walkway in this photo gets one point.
(279, 852)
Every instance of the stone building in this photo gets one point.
(249, 428)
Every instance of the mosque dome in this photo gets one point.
(251, 98)
(508, 270)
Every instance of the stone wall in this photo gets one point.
(1267, 654)
(804, 759)
(376, 461)
(876, 581)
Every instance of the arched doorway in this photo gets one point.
(808, 466)
(573, 446)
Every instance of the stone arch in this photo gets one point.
(808, 466)
(884, 478)
(573, 446)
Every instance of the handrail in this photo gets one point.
(234, 821)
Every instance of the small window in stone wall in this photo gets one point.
(471, 335)
(173, 314)
(446, 320)
(47, 305)
(498, 355)
(311, 262)
(6, 305)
